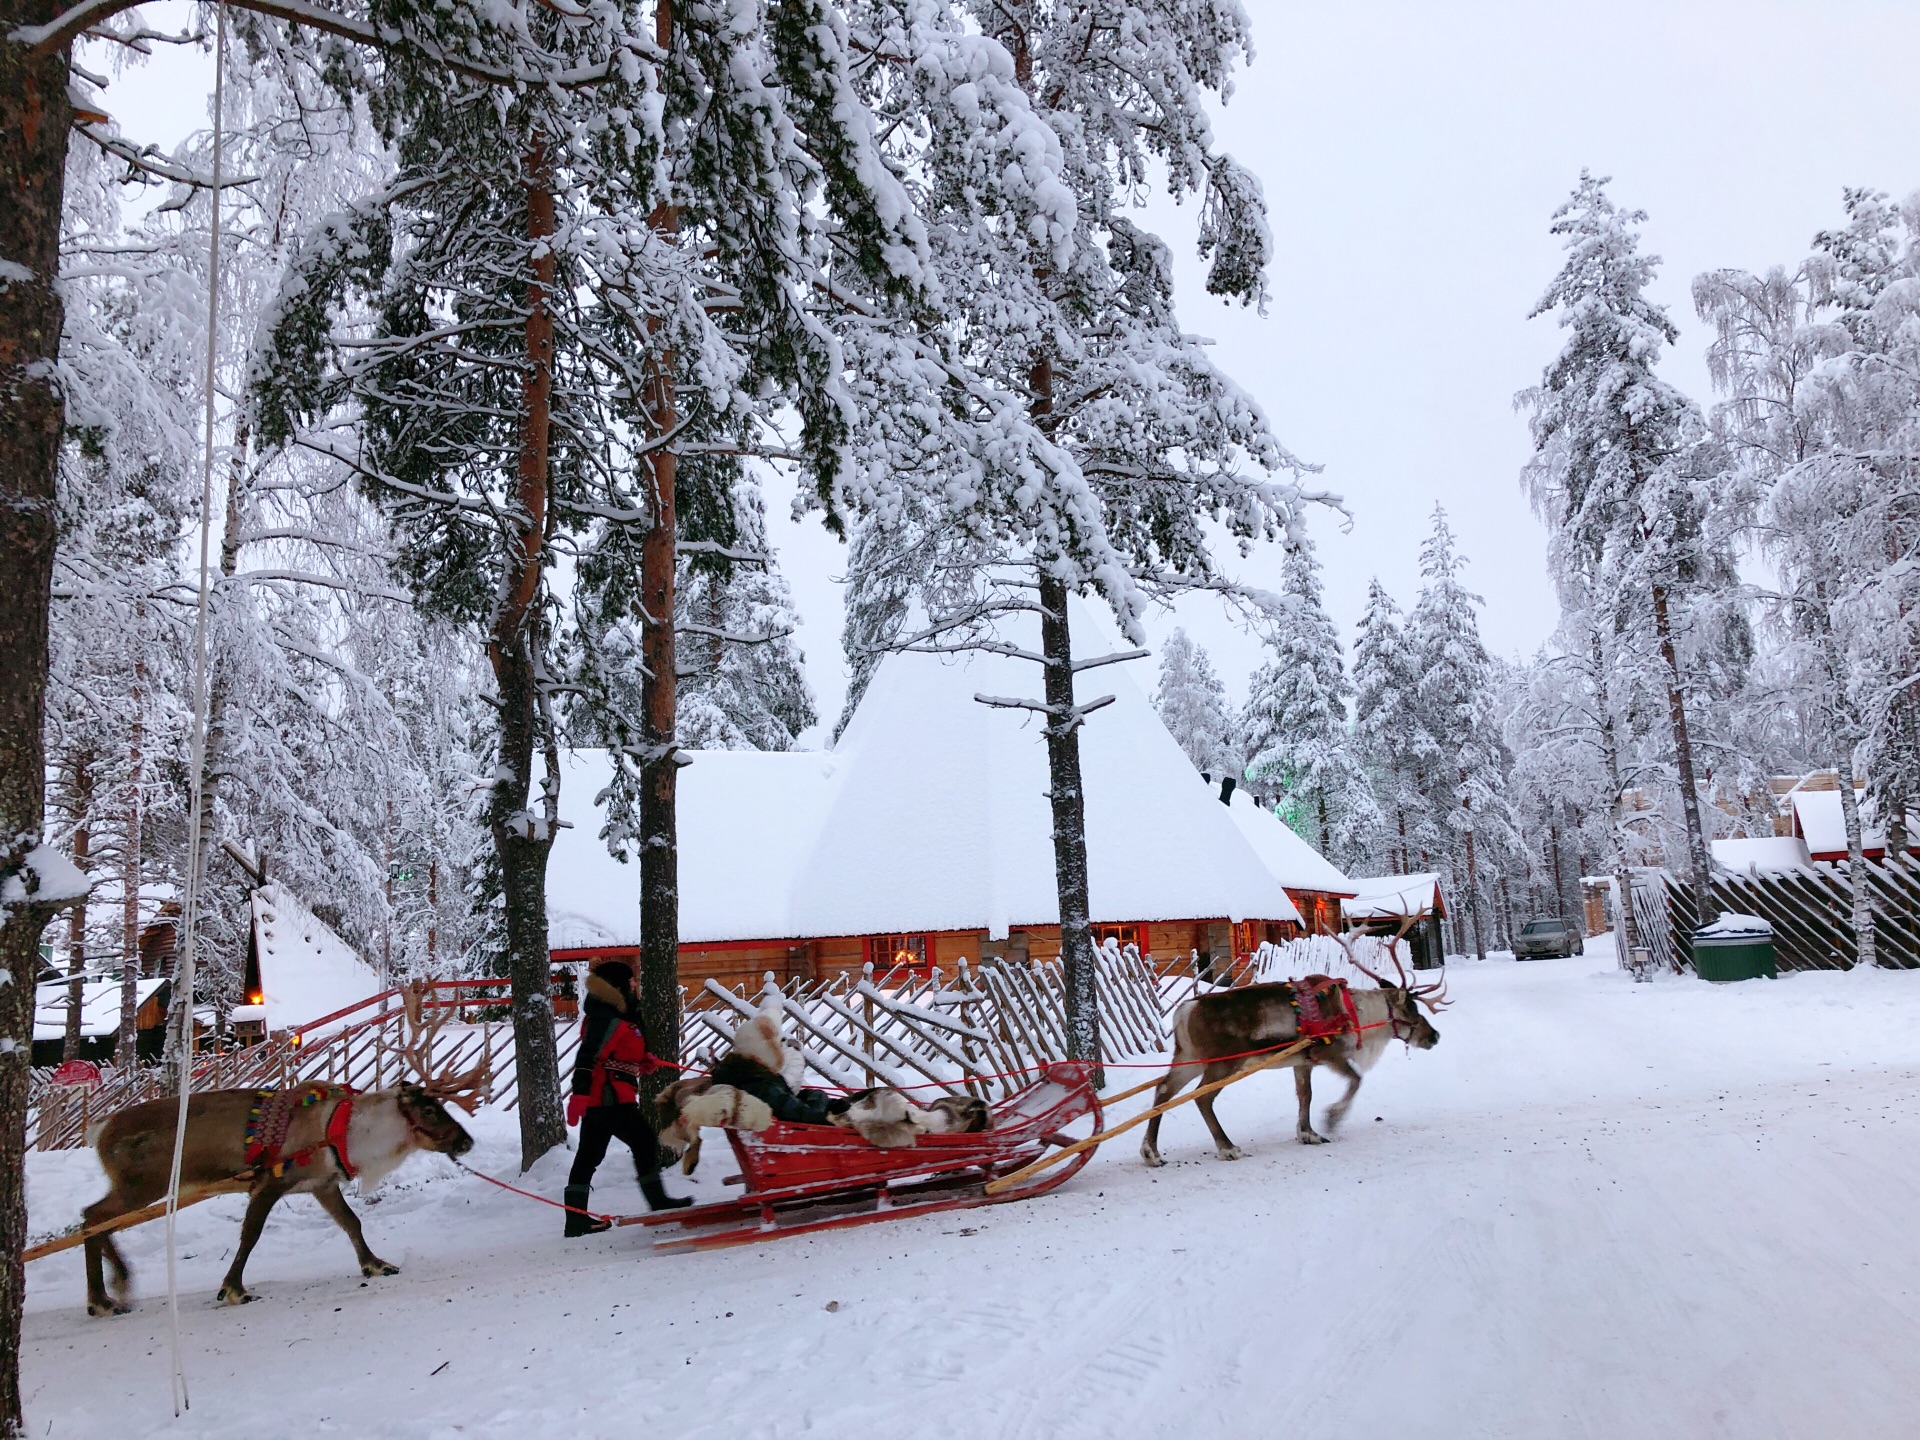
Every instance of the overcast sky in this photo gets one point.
(1412, 152)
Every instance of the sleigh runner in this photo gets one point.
(803, 1178)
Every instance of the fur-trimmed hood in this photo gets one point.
(601, 993)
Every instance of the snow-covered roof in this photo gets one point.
(931, 814)
(746, 821)
(306, 971)
(1822, 824)
(99, 1006)
(1390, 897)
(1288, 858)
(1765, 855)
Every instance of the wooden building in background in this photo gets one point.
(924, 839)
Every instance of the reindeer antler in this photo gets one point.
(464, 1088)
(1393, 954)
(1433, 996)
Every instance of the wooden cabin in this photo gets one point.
(924, 838)
(1383, 904)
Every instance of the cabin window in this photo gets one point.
(1121, 935)
(914, 953)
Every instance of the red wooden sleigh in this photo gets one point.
(801, 1178)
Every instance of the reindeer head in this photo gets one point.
(424, 1102)
(432, 1125)
(1405, 999)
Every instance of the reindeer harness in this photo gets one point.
(271, 1116)
(1325, 1010)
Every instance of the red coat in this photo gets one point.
(622, 1060)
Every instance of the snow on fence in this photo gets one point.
(1810, 909)
(981, 1031)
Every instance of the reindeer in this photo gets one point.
(331, 1133)
(1231, 1023)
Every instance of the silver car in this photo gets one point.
(1548, 939)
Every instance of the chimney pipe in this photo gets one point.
(1226, 790)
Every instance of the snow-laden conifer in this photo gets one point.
(1192, 702)
(1624, 474)
(1294, 725)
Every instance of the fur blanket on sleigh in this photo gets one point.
(752, 1087)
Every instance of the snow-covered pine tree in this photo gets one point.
(1390, 738)
(627, 264)
(1193, 705)
(743, 682)
(1620, 472)
(1082, 437)
(1465, 781)
(1294, 724)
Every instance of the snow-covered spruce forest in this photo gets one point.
(1733, 569)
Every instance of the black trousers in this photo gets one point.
(602, 1125)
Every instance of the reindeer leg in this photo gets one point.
(1178, 1078)
(335, 1204)
(1303, 1087)
(99, 1301)
(233, 1289)
(1338, 1110)
(1225, 1147)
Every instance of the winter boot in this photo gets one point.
(657, 1197)
(578, 1221)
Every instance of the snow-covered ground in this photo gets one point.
(1597, 1209)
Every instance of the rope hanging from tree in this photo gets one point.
(190, 909)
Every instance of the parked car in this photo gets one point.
(1548, 939)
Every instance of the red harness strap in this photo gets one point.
(337, 1132)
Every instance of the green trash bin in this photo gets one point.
(1734, 947)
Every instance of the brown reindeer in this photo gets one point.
(331, 1134)
(1231, 1023)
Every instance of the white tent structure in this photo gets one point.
(930, 816)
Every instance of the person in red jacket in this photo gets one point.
(606, 1094)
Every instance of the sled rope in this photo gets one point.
(1005, 1182)
(531, 1195)
(189, 911)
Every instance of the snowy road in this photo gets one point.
(1597, 1209)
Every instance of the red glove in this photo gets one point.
(576, 1107)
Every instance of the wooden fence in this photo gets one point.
(1811, 912)
(980, 1030)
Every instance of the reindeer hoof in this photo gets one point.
(235, 1295)
(1307, 1137)
(1152, 1159)
(379, 1267)
(1233, 1152)
(98, 1308)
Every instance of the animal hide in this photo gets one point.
(686, 1107)
(890, 1120)
(758, 1039)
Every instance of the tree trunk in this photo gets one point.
(1866, 951)
(1065, 795)
(660, 701)
(77, 916)
(213, 764)
(659, 778)
(522, 839)
(125, 1051)
(34, 118)
(1697, 858)
(1473, 903)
